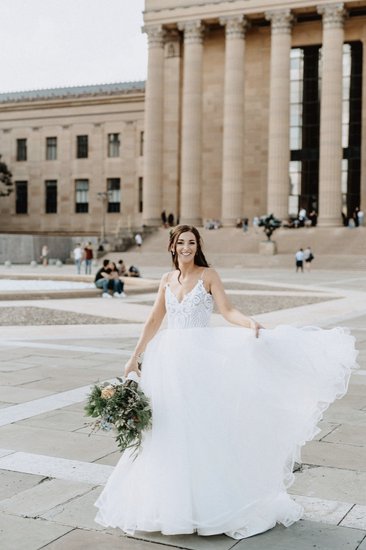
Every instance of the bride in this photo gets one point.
(232, 407)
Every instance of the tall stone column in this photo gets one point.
(172, 111)
(232, 162)
(191, 151)
(153, 142)
(363, 133)
(278, 186)
(330, 162)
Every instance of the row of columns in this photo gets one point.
(233, 124)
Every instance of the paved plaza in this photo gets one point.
(52, 470)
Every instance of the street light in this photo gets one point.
(103, 196)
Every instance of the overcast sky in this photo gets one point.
(51, 43)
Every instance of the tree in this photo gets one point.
(270, 224)
(6, 182)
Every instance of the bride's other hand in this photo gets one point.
(132, 365)
(256, 327)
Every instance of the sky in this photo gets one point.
(52, 43)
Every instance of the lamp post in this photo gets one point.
(103, 196)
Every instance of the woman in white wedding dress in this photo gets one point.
(232, 407)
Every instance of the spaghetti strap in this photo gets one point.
(202, 274)
(170, 275)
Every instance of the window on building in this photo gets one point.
(21, 149)
(304, 129)
(51, 196)
(82, 147)
(113, 145)
(142, 134)
(140, 200)
(51, 148)
(306, 75)
(81, 196)
(21, 197)
(351, 127)
(114, 194)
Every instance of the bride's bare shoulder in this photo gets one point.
(166, 277)
(211, 274)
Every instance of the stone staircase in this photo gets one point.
(334, 248)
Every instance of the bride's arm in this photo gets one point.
(151, 327)
(230, 313)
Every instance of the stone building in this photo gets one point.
(76, 155)
(255, 106)
(251, 107)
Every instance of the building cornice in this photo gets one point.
(69, 102)
(165, 14)
(74, 93)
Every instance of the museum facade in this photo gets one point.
(250, 107)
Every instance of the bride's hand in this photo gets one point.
(132, 365)
(256, 327)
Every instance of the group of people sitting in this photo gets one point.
(109, 278)
(302, 220)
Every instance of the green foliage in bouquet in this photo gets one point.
(121, 406)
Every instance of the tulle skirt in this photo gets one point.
(230, 414)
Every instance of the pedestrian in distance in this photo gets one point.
(78, 256)
(44, 255)
(164, 219)
(308, 258)
(171, 219)
(88, 256)
(299, 259)
(138, 240)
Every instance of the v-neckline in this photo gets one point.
(186, 294)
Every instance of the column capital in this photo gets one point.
(235, 26)
(281, 21)
(172, 43)
(193, 31)
(333, 15)
(155, 35)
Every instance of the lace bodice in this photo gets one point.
(193, 311)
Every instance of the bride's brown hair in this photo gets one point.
(199, 258)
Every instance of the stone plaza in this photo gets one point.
(52, 469)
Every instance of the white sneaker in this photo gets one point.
(106, 295)
(123, 295)
(119, 295)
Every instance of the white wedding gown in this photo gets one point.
(230, 413)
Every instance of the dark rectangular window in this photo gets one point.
(82, 147)
(142, 134)
(114, 194)
(113, 145)
(81, 196)
(51, 196)
(21, 197)
(21, 149)
(140, 200)
(51, 148)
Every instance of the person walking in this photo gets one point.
(78, 256)
(230, 410)
(44, 255)
(88, 255)
(308, 258)
(138, 240)
(299, 258)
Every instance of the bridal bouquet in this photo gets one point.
(122, 406)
